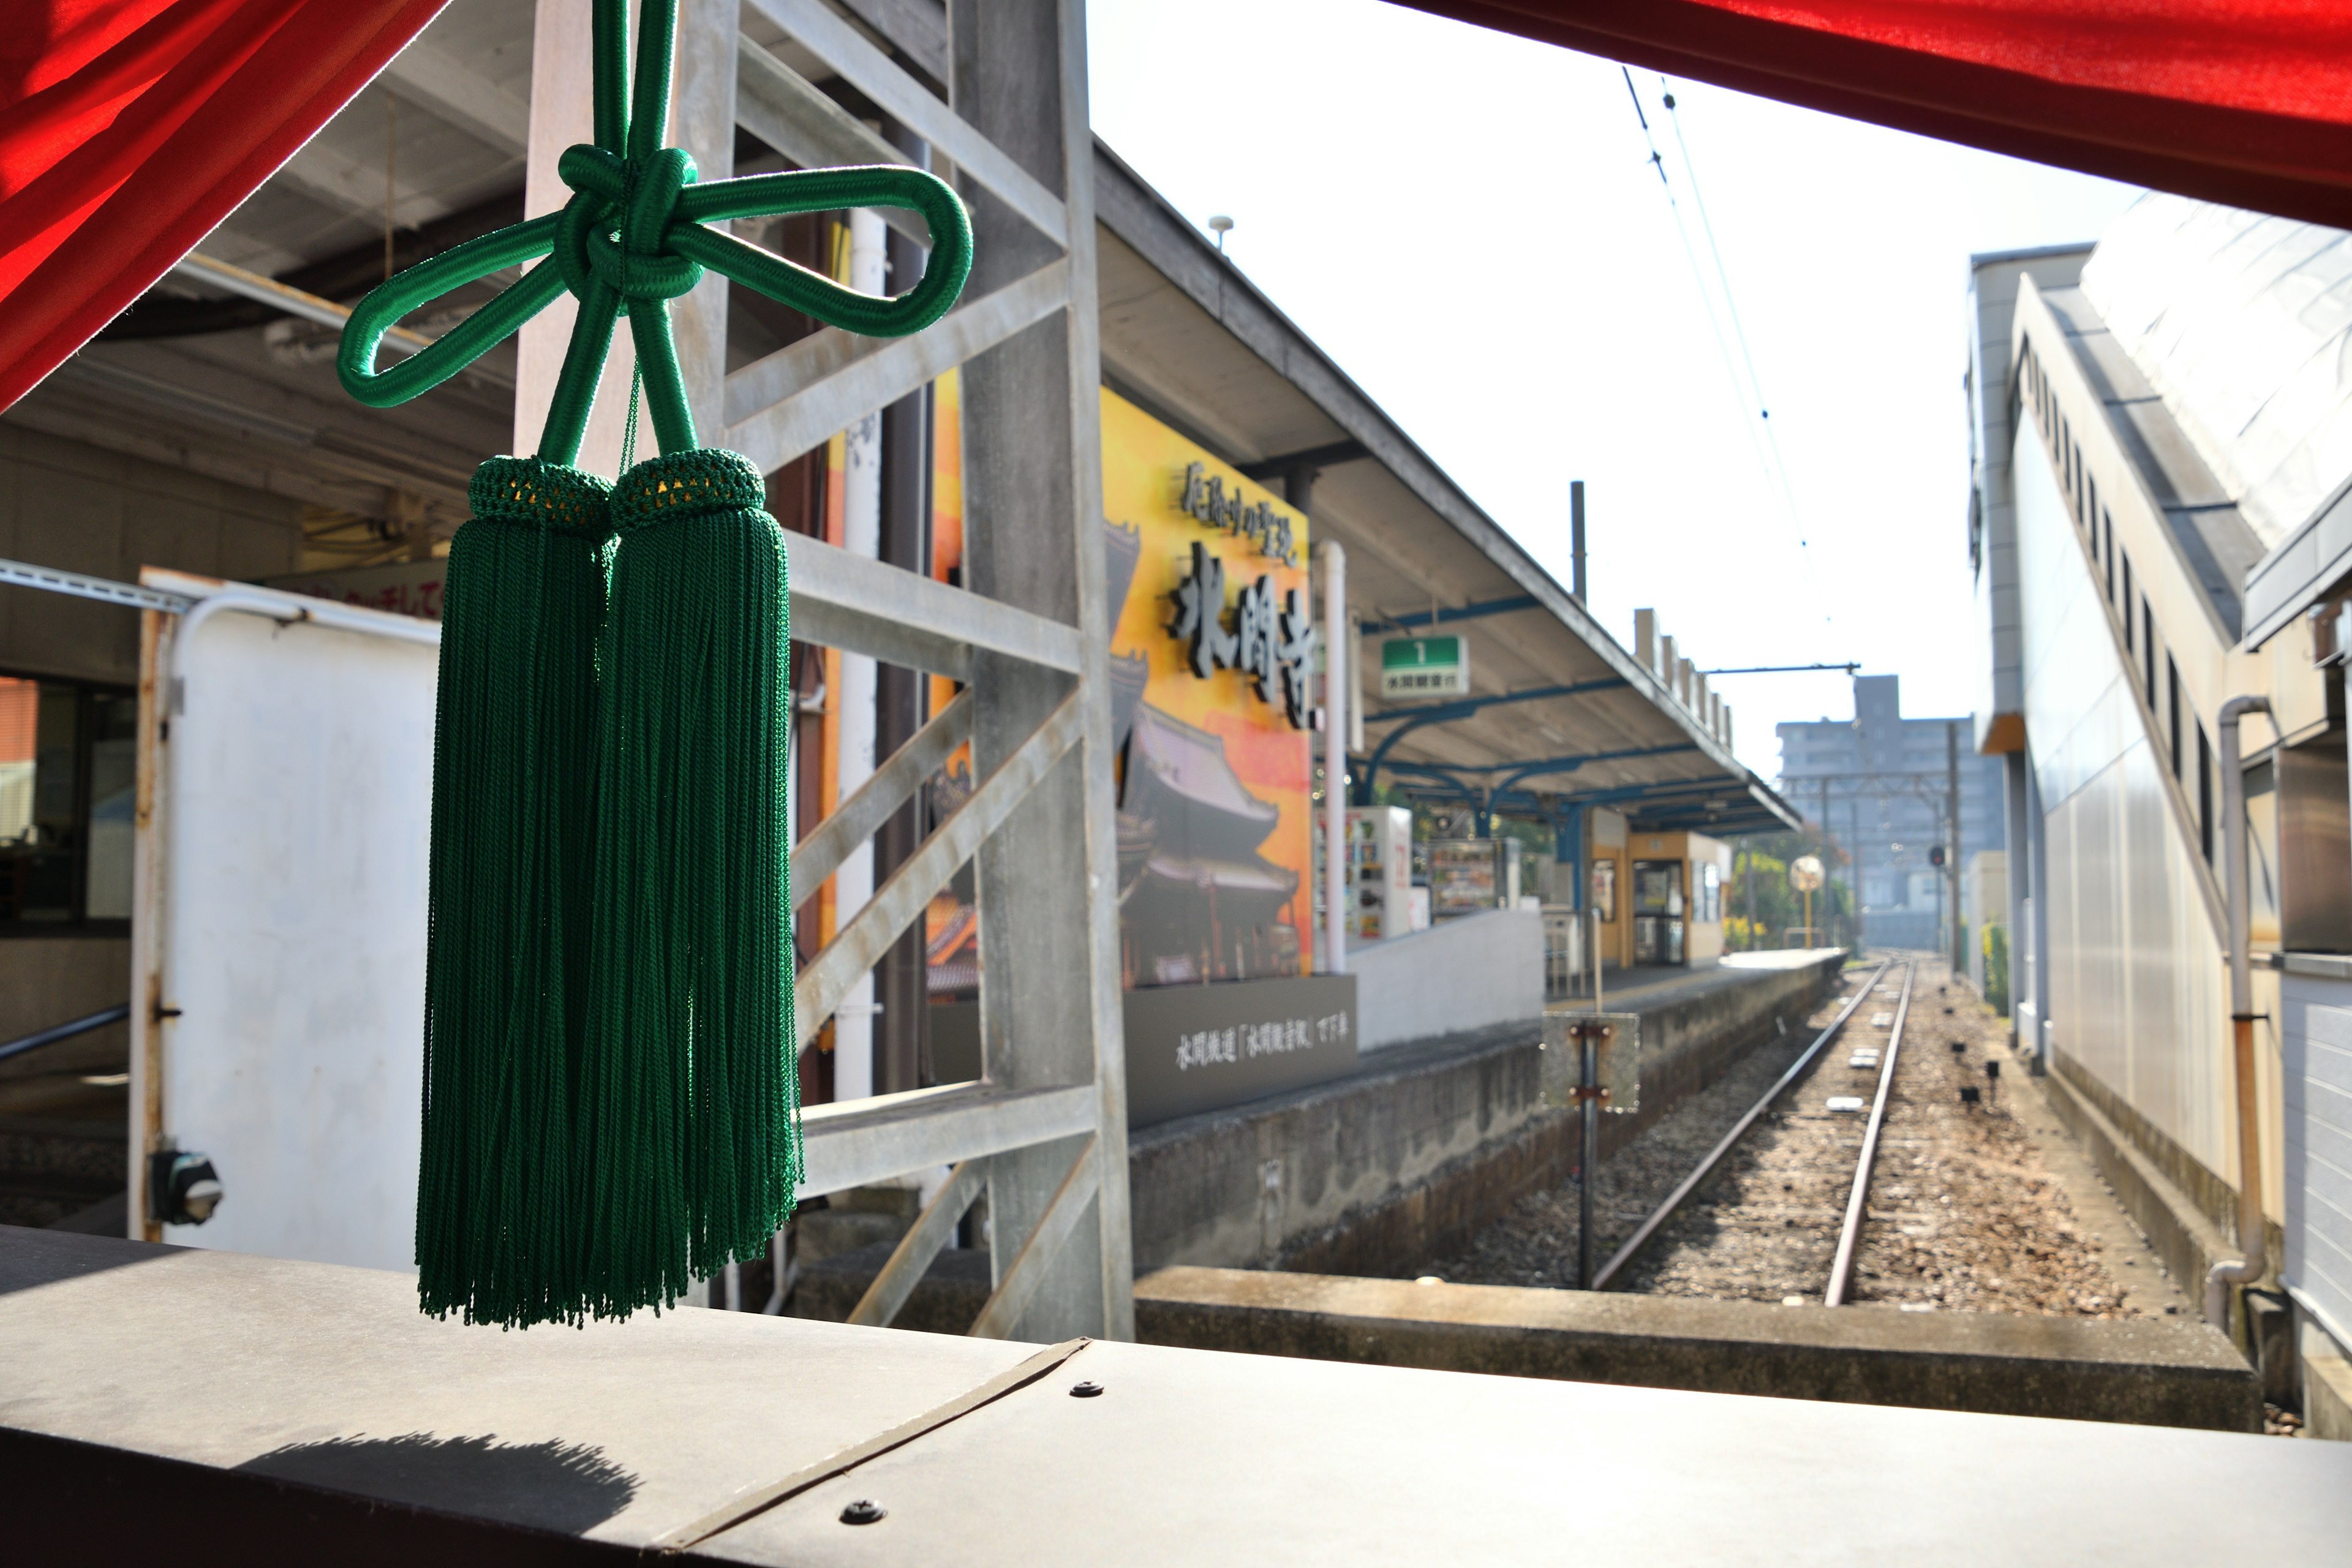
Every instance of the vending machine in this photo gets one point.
(1380, 872)
(1468, 876)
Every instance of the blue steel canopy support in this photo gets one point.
(1492, 791)
(1445, 712)
(1447, 615)
(1568, 849)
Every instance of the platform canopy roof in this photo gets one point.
(1560, 713)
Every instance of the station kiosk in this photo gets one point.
(1659, 896)
(1675, 897)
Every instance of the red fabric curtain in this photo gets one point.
(2247, 102)
(130, 128)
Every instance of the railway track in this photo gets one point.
(1775, 1209)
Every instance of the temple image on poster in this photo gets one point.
(1197, 900)
(1213, 764)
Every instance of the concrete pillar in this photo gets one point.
(861, 535)
(702, 121)
(1646, 638)
(902, 978)
(561, 114)
(1033, 522)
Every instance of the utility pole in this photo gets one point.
(1952, 841)
(1576, 537)
(1749, 847)
(1811, 936)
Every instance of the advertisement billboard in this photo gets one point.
(1211, 656)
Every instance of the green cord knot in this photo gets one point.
(635, 235)
(616, 228)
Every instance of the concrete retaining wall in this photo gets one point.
(1425, 1144)
(1456, 978)
(2155, 1372)
(2165, 1372)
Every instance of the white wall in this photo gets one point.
(1460, 975)
(2137, 990)
(2315, 1016)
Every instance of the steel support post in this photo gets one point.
(1050, 1004)
(1590, 1082)
(1960, 953)
(2019, 879)
(901, 979)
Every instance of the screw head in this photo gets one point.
(864, 1511)
(1084, 1390)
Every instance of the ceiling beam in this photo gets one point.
(354, 189)
(1445, 614)
(792, 114)
(451, 90)
(1316, 457)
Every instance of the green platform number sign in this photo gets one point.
(1424, 667)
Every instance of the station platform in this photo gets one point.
(1651, 985)
(210, 1406)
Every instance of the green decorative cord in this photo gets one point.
(629, 428)
(631, 239)
(611, 1087)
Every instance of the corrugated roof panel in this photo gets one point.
(2242, 323)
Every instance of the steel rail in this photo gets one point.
(1641, 1238)
(1857, 1202)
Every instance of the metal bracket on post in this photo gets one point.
(1591, 1061)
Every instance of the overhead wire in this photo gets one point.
(1731, 306)
(1762, 438)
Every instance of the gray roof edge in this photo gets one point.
(2031, 253)
(2209, 540)
(2277, 591)
(1140, 215)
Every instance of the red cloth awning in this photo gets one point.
(129, 128)
(2247, 102)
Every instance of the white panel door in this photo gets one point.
(296, 807)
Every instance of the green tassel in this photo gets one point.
(692, 1084)
(499, 1213)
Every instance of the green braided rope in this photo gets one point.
(631, 239)
(427, 281)
(611, 1084)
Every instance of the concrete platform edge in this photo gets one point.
(2154, 1373)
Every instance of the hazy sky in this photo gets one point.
(1470, 226)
